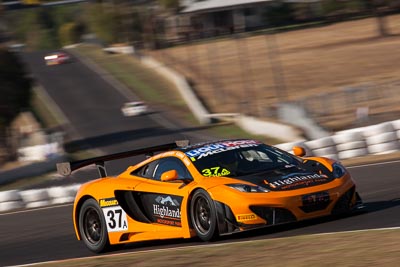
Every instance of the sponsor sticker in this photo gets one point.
(294, 181)
(245, 217)
(166, 210)
(108, 202)
(115, 216)
(315, 198)
(211, 149)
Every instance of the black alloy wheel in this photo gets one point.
(92, 226)
(203, 215)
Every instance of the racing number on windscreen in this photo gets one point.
(215, 171)
(115, 219)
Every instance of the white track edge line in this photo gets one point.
(36, 209)
(374, 164)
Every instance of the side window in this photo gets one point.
(168, 164)
(147, 170)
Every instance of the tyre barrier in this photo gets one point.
(323, 147)
(36, 198)
(350, 144)
(288, 147)
(10, 200)
(382, 138)
(376, 139)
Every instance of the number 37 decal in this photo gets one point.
(115, 219)
(215, 171)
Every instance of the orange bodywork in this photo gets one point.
(241, 205)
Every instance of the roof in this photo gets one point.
(209, 5)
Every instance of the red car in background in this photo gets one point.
(57, 58)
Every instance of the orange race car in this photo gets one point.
(206, 190)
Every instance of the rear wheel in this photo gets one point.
(92, 226)
(203, 215)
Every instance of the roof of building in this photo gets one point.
(191, 6)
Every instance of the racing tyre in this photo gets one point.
(92, 226)
(203, 215)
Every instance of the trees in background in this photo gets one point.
(15, 91)
(46, 27)
(376, 8)
(123, 21)
(379, 8)
(51, 27)
(170, 4)
(15, 87)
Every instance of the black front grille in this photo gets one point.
(273, 215)
(315, 202)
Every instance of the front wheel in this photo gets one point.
(203, 215)
(92, 226)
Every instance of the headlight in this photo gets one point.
(338, 170)
(248, 188)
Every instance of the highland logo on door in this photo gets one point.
(166, 210)
(167, 201)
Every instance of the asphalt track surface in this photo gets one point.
(93, 107)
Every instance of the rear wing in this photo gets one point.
(66, 168)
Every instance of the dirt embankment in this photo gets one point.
(333, 70)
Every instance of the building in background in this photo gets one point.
(202, 19)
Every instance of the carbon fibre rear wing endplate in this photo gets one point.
(66, 168)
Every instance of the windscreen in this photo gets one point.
(237, 160)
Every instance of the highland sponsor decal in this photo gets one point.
(216, 148)
(295, 181)
(166, 210)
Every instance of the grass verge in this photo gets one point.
(42, 109)
(339, 249)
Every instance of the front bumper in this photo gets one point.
(274, 208)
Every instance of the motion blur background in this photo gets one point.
(336, 60)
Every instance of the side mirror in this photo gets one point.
(171, 175)
(299, 151)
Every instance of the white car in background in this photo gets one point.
(134, 108)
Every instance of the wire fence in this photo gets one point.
(355, 106)
(343, 73)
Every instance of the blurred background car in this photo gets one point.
(134, 108)
(57, 58)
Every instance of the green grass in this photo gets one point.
(43, 111)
